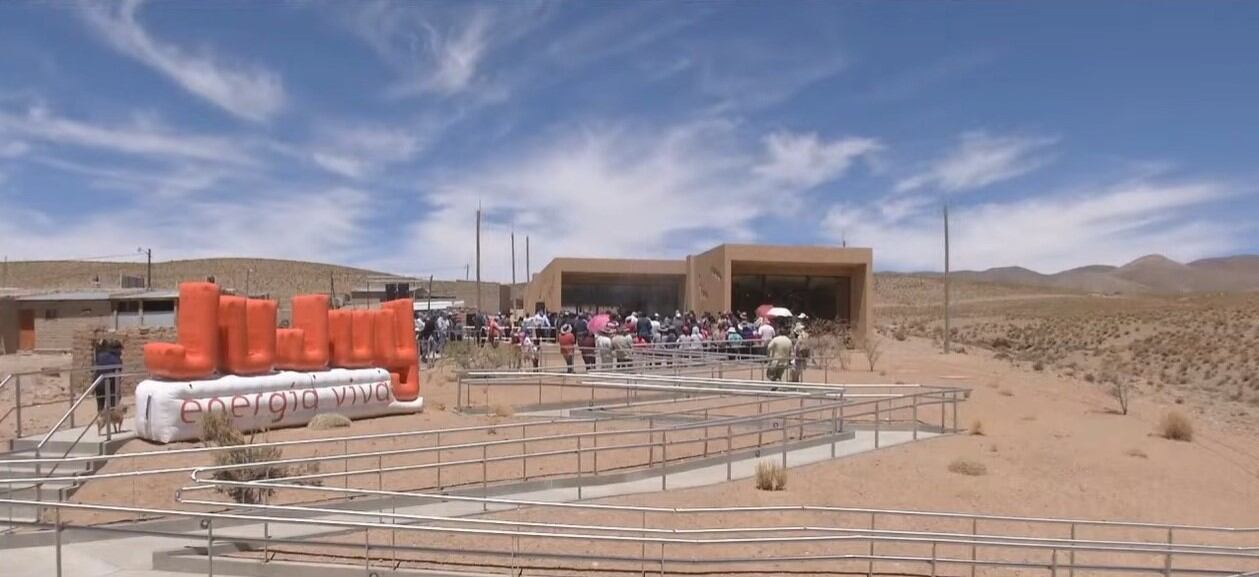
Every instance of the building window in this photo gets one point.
(50, 314)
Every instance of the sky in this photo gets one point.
(1059, 134)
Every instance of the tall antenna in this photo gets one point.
(478, 257)
(947, 333)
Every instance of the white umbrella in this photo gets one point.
(778, 312)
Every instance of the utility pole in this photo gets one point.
(5, 281)
(148, 276)
(513, 257)
(248, 279)
(466, 274)
(332, 288)
(947, 335)
(478, 258)
(430, 294)
(528, 269)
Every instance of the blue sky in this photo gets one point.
(364, 133)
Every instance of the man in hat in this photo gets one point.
(603, 344)
(568, 344)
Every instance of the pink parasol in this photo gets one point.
(597, 322)
(763, 310)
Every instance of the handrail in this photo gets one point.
(96, 382)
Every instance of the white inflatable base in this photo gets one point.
(169, 411)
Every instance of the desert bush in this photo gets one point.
(770, 476)
(1175, 426)
(502, 410)
(325, 421)
(968, 467)
(1138, 453)
(217, 431)
(977, 428)
(872, 347)
(1121, 390)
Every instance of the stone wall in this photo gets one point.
(133, 341)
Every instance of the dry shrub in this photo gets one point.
(326, 421)
(502, 410)
(977, 428)
(1006, 393)
(1121, 390)
(1176, 426)
(770, 476)
(872, 347)
(1138, 453)
(217, 431)
(968, 467)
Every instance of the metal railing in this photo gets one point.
(17, 378)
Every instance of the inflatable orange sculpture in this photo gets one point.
(305, 346)
(395, 347)
(237, 335)
(196, 354)
(247, 335)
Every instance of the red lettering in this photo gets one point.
(209, 405)
(366, 390)
(257, 403)
(239, 402)
(189, 407)
(283, 408)
(313, 397)
(339, 394)
(382, 392)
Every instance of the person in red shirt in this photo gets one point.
(568, 344)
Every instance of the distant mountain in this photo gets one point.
(1149, 274)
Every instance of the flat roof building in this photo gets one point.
(823, 282)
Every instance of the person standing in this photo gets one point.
(603, 344)
(568, 344)
(779, 351)
(107, 361)
(621, 347)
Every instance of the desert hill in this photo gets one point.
(279, 278)
(1151, 274)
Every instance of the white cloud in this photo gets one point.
(612, 191)
(805, 160)
(359, 151)
(166, 184)
(244, 90)
(437, 50)
(14, 149)
(142, 139)
(324, 225)
(979, 160)
(1049, 233)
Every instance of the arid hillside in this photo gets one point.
(279, 278)
(1197, 349)
(1150, 274)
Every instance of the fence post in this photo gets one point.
(17, 403)
(1167, 561)
(485, 479)
(1071, 571)
(209, 547)
(664, 459)
(784, 428)
(915, 417)
(579, 480)
(876, 424)
(870, 561)
(953, 397)
(729, 451)
(57, 533)
(974, 533)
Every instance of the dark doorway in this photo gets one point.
(645, 293)
(820, 297)
(26, 330)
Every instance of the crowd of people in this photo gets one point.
(609, 340)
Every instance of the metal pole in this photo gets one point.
(953, 396)
(915, 417)
(579, 480)
(148, 282)
(664, 460)
(478, 259)
(209, 547)
(17, 400)
(528, 268)
(57, 533)
(513, 257)
(784, 428)
(876, 424)
(946, 279)
(729, 452)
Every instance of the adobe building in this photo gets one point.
(822, 282)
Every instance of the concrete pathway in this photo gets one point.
(132, 556)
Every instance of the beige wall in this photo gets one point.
(57, 333)
(708, 275)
